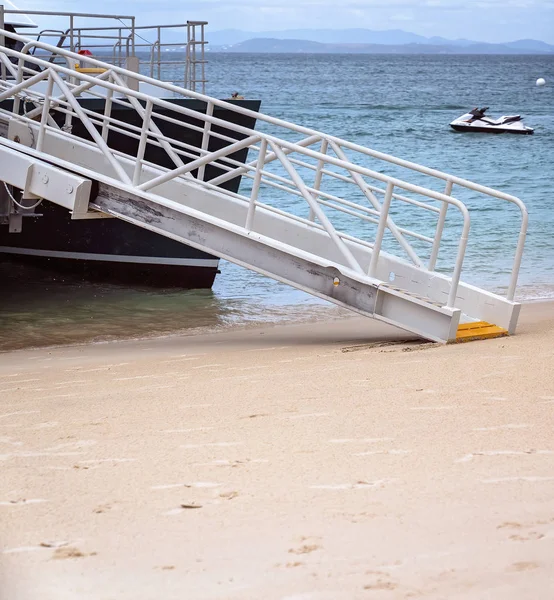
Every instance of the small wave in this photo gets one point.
(529, 292)
(384, 106)
(413, 108)
(535, 292)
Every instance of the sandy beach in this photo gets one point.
(323, 461)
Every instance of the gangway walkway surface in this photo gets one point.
(315, 211)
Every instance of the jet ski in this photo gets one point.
(476, 121)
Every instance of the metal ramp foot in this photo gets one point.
(480, 330)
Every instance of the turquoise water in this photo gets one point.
(402, 105)
(395, 104)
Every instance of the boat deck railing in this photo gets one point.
(174, 53)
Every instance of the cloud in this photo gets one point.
(478, 19)
(403, 17)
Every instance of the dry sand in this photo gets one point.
(295, 463)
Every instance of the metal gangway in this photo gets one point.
(316, 212)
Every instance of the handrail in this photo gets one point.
(13, 11)
(137, 27)
(75, 35)
(213, 120)
(313, 195)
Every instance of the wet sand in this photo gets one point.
(308, 462)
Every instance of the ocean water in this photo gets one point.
(400, 105)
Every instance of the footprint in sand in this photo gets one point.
(102, 508)
(229, 495)
(525, 532)
(54, 544)
(20, 501)
(532, 535)
(523, 566)
(305, 549)
(381, 585)
(510, 525)
(70, 552)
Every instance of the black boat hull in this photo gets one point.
(111, 249)
(106, 250)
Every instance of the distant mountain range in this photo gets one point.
(361, 41)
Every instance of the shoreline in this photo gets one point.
(329, 314)
(350, 329)
(320, 320)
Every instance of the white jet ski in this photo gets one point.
(476, 121)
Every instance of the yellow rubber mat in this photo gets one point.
(481, 330)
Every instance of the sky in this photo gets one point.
(481, 20)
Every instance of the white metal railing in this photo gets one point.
(119, 38)
(314, 168)
(116, 44)
(68, 35)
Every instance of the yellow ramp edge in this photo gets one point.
(481, 330)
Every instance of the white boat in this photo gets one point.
(476, 121)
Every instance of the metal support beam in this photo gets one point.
(44, 180)
(268, 257)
